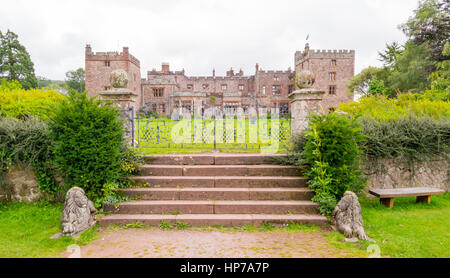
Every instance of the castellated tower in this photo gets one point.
(332, 70)
(99, 65)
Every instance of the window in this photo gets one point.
(302, 65)
(154, 107)
(162, 108)
(333, 62)
(332, 90)
(224, 87)
(332, 76)
(276, 78)
(231, 107)
(158, 92)
(284, 108)
(263, 91)
(190, 86)
(187, 106)
(241, 87)
(276, 89)
(107, 64)
(205, 86)
(107, 88)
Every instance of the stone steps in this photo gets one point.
(210, 193)
(219, 181)
(213, 207)
(225, 220)
(212, 159)
(216, 189)
(219, 170)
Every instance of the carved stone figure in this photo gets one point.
(348, 218)
(78, 213)
(305, 79)
(119, 78)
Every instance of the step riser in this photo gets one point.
(211, 159)
(219, 182)
(212, 222)
(212, 209)
(218, 171)
(202, 195)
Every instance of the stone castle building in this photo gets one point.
(165, 90)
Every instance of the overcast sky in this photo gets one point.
(201, 35)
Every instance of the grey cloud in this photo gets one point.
(200, 35)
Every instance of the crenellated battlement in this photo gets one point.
(274, 71)
(111, 56)
(324, 53)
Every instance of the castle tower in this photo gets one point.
(332, 69)
(99, 65)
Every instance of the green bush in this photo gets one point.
(332, 152)
(27, 141)
(381, 108)
(410, 138)
(87, 142)
(20, 103)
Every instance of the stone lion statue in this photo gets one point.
(348, 218)
(305, 79)
(78, 213)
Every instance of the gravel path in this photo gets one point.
(197, 243)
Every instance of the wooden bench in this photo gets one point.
(423, 194)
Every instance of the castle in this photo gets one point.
(164, 90)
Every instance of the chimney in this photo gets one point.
(257, 67)
(88, 50)
(165, 67)
(214, 72)
(241, 73)
(125, 51)
(230, 72)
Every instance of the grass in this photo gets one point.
(25, 231)
(409, 230)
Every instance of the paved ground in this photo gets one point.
(196, 243)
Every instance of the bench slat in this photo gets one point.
(406, 192)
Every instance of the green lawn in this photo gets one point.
(409, 230)
(154, 136)
(25, 231)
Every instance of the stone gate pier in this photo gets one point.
(304, 101)
(125, 100)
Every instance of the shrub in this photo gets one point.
(331, 152)
(19, 103)
(28, 142)
(87, 142)
(381, 108)
(411, 138)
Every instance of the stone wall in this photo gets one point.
(396, 173)
(20, 184)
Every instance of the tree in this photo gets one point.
(15, 62)
(412, 69)
(430, 24)
(389, 56)
(75, 80)
(376, 87)
(359, 83)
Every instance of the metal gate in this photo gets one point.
(236, 133)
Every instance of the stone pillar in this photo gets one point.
(304, 101)
(125, 101)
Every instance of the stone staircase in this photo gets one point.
(216, 189)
